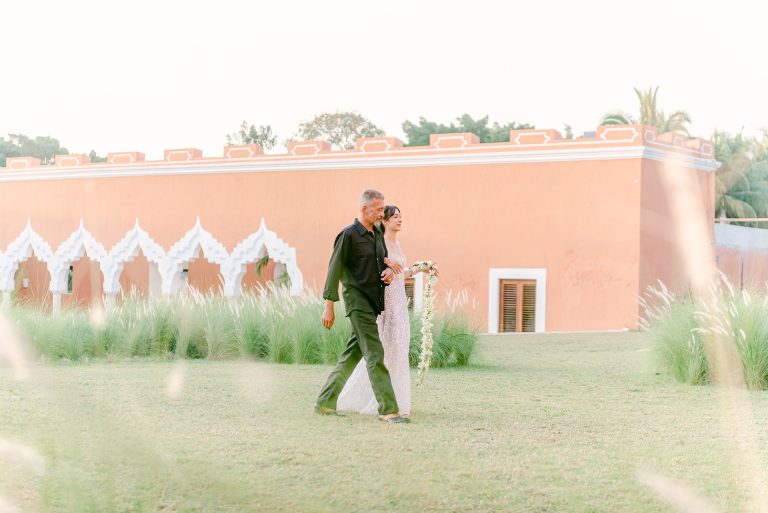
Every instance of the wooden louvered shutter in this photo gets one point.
(529, 307)
(409, 285)
(508, 314)
(517, 306)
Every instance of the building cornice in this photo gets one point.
(299, 164)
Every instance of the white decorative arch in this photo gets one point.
(80, 243)
(253, 248)
(169, 264)
(28, 242)
(137, 239)
(186, 249)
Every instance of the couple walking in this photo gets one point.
(372, 374)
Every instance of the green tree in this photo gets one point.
(43, 147)
(340, 129)
(7, 150)
(19, 145)
(742, 179)
(95, 158)
(760, 146)
(417, 134)
(249, 134)
(650, 114)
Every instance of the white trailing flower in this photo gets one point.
(427, 313)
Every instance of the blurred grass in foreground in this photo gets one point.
(558, 423)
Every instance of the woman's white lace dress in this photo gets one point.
(395, 333)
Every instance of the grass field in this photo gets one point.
(539, 423)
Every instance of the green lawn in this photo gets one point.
(541, 423)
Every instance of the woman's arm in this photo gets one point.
(396, 268)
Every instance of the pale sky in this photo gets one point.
(147, 75)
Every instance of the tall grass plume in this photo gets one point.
(266, 323)
(678, 326)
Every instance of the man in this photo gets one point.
(358, 262)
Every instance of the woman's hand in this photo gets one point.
(396, 268)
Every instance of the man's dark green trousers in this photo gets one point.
(363, 342)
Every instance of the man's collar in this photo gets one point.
(360, 228)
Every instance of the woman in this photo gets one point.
(394, 331)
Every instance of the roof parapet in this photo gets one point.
(71, 159)
(242, 151)
(455, 140)
(302, 148)
(125, 157)
(531, 136)
(182, 154)
(22, 162)
(677, 141)
(519, 140)
(367, 144)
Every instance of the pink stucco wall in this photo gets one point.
(592, 212)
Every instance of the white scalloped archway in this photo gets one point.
(253, 248)
(187, 249)
(169, 264)
(28, 243)
(79, 243)
(137, 239)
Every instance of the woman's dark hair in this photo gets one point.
(389, 211)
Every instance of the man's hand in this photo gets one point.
(387, 275)
(396, 268)
(328, 315)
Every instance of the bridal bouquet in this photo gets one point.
(427, 313)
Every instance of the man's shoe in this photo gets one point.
(394, 419)
(322, 410)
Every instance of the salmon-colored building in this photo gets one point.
(543, 233)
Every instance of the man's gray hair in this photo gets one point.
(370, 195)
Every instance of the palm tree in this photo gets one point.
(650, 115)
(742, 179)
(618, 118)
(760, 146)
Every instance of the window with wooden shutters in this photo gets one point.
(517, 306)
(409, 286)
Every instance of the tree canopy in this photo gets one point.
(417, 134)
(340, 129)
(95, 157)
(249, 134)
(742, 180)
(20, 145)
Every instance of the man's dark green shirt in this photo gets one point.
(357, 261)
